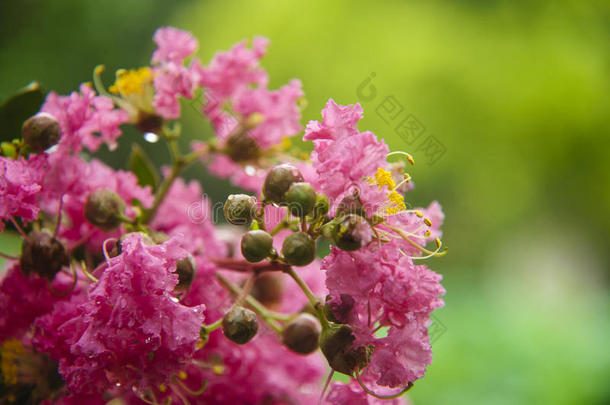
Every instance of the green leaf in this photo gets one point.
(18, 108)
(140, 164)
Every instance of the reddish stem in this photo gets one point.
(246, 267)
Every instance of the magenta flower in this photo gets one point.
(353, 394)
(26, 298)
(86, 120)
(338, 144)
(173, 45)
(20, 186)
(74, 179)
(130, 331)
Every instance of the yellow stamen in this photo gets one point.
(11, 350)
(162, 388)
(427, 221)
(182, 375)
(131, 81)
(384, 178)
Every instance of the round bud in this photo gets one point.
(299, 249)
(336, 342)
(104, 209)
(256, 245)
(351, 204)
(301, 335)
(321, 206)
(41, 131)
(186, 269)
(240, 147)
(351, 233)
(301, 198)
(239, 209)
(240, 325)
(43, 254)
(278, 181)
(267, 289)
(147, 122)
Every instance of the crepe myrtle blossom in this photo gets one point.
(126, 288)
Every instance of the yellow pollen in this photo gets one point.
(182, 375)
(427, 234)
(162, 388)
(384, 178)
(218, 369)
(131, 81)
(10, 351)
(427, 222)
(398, 202)
(419, 214)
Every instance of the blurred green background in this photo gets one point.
(517, 97)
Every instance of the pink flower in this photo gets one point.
(26, 298)
(235, 70)
(338, 144)
(352, 394)
(375, 287)
(20, 186)
(280, 113)
(187, 212)
(337, 122)
(74, 179)
(173, 80)
(83, 115)
(173, 45)
(130, 331)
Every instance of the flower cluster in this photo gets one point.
(126, 289)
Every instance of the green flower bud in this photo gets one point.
(104, 209)
(351, 233)
(278, 181)
(186, 269)
(321, 206)
(239, 209)
(267, 289)
(301, 335)
(240, 147)
(43, 254)
(256, 245)
(301, 198)
(336, 345)
(299, 249)
(351, 204)
(41, 131)
(240, 325)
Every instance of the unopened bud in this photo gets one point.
(43, 254)
(240, 325)
(352, 233)
(41, 131)
(301, 335)
(239, 209)
(336, 345)
(351, 204)
(267, 289)
(278, 181)
(105, 209)
(147, 122)
(321, 206)
(256, 245)
(301, 198)
(186, 269)
(299, 249)
(240, 147)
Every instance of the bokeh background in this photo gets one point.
(514, 96)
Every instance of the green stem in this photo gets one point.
(252, 302)
(310, 296)
(211, 327)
